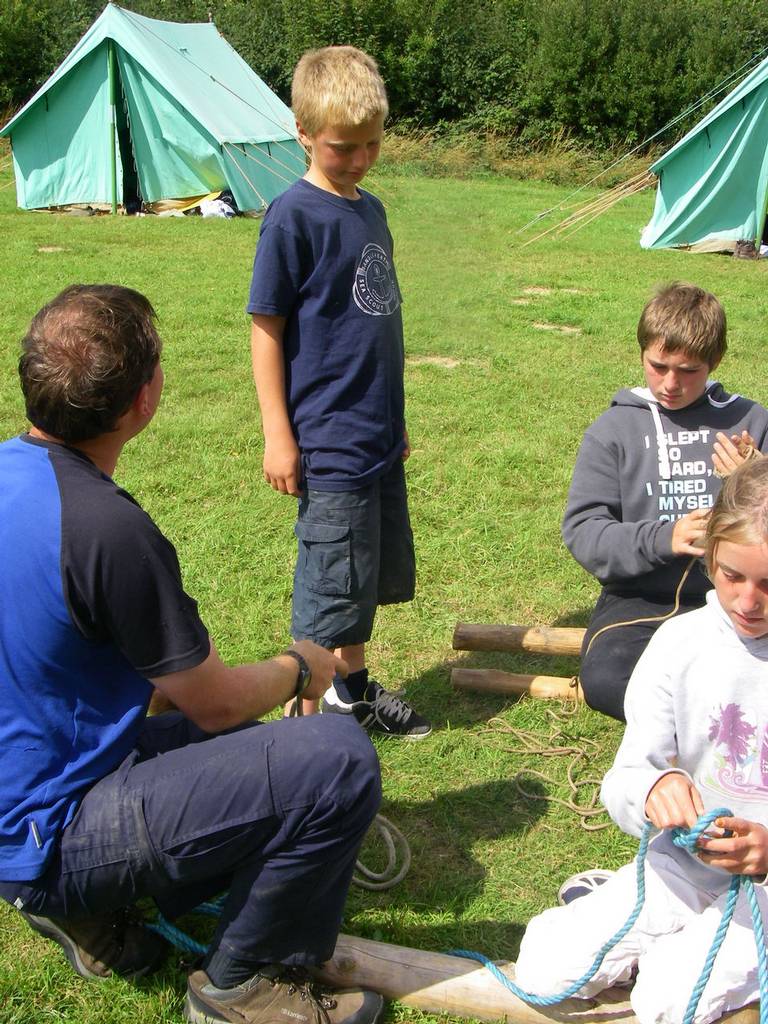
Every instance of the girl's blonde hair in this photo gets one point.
(740, 514)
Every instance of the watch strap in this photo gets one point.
(305, 673)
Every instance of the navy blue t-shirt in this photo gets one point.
(325, 263)
(91, 604)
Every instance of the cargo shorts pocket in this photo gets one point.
(325, 557)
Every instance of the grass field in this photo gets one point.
(511, 353)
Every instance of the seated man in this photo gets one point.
(643, 485)
(100, 805)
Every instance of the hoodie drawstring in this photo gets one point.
(661, 442)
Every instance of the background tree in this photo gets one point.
(595, 70)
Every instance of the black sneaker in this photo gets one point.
(380, 712)
(278, 993)
(105, 944)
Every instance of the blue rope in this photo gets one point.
(162, 926)
(687, 839)
(176, 936)
(576, 986)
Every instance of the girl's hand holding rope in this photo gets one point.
(674, 802)
(735, 845)
(740, 849)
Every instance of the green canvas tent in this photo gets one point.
(713, 183)
(152, 110)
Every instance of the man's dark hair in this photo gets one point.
(84, 359)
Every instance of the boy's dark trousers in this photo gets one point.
(274, 813)
(608, 662)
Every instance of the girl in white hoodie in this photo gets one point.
(696, 739)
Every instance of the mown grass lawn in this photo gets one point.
(511, 353)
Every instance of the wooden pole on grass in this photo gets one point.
(534, 639)
(438, 983)
(491, 680)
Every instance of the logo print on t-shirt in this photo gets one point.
(737, 764)
(375, 290)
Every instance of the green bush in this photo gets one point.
(605, 73)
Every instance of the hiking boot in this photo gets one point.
(105, 944)
(278, 995)
(380, 712)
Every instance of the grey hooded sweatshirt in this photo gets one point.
(641, 467)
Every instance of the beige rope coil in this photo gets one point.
(392, 875)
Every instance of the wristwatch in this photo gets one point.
(305, 673)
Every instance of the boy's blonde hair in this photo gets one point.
(337, 85)
(684, 318)
(740, 514)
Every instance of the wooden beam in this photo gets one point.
(438, 983)
(491, 680)
(535, 639)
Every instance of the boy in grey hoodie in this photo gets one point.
(644, 481)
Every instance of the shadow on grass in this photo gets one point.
(444, 831)
(466, 708)
(499, 940)
(578, 617)
(449, 707)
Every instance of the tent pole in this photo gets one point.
(112, 120)
(761, 223)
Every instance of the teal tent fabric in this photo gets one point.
(713, 183)
(191, 117)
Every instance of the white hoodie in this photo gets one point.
(697, 702)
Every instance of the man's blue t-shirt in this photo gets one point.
(325, 263)
(91, 604)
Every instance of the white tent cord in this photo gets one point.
(237, 165)
(289, 129)
(726, 83)
(585, 213)
(268, 156)
(393, 838)
(261, 163)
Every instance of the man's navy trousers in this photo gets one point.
(273, 813)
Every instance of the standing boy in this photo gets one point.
(643, 485)
(327, 348)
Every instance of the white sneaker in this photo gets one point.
(583, 884)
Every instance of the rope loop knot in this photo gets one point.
(687, 838)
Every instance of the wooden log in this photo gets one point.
(745, 1015)
(438, 983)
(535, 639)
(491, 680)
